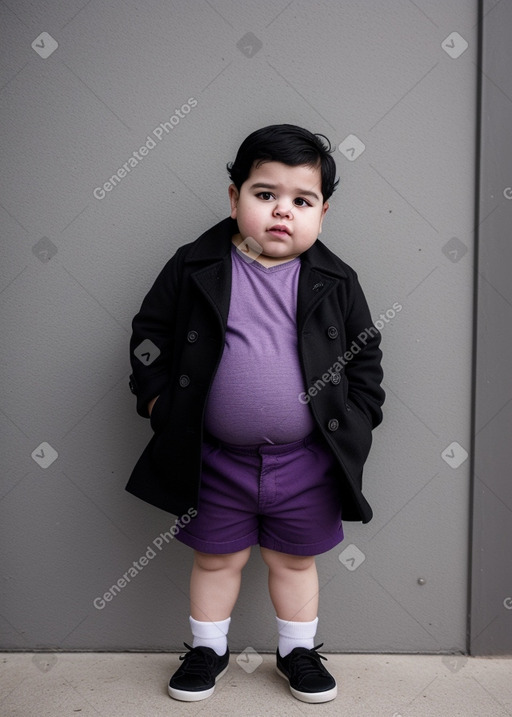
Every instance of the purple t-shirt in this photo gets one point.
(254, 395)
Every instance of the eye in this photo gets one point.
(265, 196)
(300, 202)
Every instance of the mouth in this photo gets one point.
(279, 230)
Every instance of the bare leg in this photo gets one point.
(215, 584)
(293, 585)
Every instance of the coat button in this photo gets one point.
(335, 379)
(333, 424)
(192, 336)
(332, 332)
(184, 381)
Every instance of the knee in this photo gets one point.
(231, 561)
(283, 561)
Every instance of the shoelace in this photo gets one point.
(301, 668)
(198, 662)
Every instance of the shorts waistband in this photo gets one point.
(266, 448)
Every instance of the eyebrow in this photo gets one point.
(304, 192)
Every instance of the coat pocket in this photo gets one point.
(351, 407)
(160, 411)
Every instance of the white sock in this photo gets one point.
(210, 634)
(295, 634)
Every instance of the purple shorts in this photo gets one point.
(285, 497)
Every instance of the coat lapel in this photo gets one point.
(214, 282)
(319, 275)
(211, 254)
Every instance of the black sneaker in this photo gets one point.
(195, 679)
(309, 680)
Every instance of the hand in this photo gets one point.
(151, 404)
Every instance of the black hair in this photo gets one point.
(290, 145)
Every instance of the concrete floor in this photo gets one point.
(135, 684)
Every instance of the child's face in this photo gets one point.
(281, 207)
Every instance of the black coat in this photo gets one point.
(182, 321)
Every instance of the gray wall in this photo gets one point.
(75, 269)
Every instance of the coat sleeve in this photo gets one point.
(152, 340)
(363, 369)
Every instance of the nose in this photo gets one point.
(283, 209)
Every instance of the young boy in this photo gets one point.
(256, 359)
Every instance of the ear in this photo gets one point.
(324, 209)
(234, 195)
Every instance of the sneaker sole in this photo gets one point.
(310, 697)
(187, 696)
